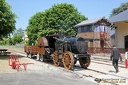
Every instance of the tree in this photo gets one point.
(121, 8)
(60, 17)
(7, 19)
(17, 39)
(9, 41)
(35, 25)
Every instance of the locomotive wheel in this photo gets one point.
(84, 62)
(55, 59)
(68, 60)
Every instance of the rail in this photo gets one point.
(104, 50)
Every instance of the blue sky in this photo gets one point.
(25, 9)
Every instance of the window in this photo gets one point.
(79, 29)
(91, 28)
(97, 28)
(85, 29)
(102, 28)
(107, 28)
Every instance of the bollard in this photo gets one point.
(126, 63)
(126, 59)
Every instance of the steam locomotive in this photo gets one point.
(62, 50)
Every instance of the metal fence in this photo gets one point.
(105, 52)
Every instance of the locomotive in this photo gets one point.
(64, 51)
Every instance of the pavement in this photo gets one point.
(42, 73)
(42, 78)
(110, 78)
(120, 78)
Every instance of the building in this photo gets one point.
(121, 31)
(96, 31)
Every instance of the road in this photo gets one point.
(42, 78)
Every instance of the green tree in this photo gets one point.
(121, 8)
(7, 19)
(9, 41)
(35, 25)
(17, 39)
(59, 17)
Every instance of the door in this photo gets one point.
(126, 41)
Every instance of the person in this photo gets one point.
(115, 55)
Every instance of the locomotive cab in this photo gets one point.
(51, 43)
(46, 47)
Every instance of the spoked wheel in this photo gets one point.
(84, 62)
(68, 60)
(38, 57)
(55, 59)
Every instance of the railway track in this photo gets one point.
(93, 77)
(93, 59)
(106, 62)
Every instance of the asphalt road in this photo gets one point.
(42, 78)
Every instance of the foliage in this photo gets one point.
(9, 41)
(2, 42)
(25, 42)
(60, 17)
(14, 40)
(35, 24)
(17, 38)
(121, 8)
(7, 19)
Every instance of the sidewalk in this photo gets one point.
(121, 76)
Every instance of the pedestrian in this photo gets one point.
(115, 55)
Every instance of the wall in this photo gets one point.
(121, 32)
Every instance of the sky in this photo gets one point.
(91, 9)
